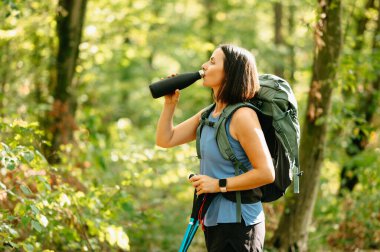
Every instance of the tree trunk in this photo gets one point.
(292, 54)
(36, 59)
(70, 19)
(366, 102)
(278, 38)
(210, 16)
(292, 232)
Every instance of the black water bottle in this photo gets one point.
(169, 85)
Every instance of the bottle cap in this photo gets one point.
(201, 73)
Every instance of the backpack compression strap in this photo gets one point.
(294, 152)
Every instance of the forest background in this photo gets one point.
(79, 169)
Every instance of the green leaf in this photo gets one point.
(25, 190)
(44, 182)
(2, 186)
(11, 193)
(47, 143)
(35, 210)
(11, 218)
(14, 245)
(127, 207)
(43, 220)
(41, 156)
(6, 147)
(28, 247)
(102, 163)
(37, 226)
(28, 156)
(11, 164)
(12, 231)
(25, 220)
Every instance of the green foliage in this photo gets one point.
(42, 209)
(114, 190)
(350, 221)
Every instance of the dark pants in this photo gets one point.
(235, 237)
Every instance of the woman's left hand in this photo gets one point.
(205, 184)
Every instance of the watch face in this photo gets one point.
(222, 182)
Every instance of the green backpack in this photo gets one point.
(276, 108)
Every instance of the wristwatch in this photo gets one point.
(223, 185)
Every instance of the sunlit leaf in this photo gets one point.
(12, 244)
(116, 235)
(41, 156)
(43, 220)
(4, 187)
(25, 189)
(28, 247)
(36, 225)
(35, 210)
(6, 147)
(12, 231)
(44, 182)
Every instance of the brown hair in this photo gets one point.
(241, 78)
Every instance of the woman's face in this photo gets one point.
(214, 70)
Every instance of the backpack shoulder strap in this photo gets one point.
(203, 121)
(221, 133)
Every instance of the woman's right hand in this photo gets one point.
(172, 98)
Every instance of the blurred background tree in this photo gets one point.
(292, 233)
(107, 187)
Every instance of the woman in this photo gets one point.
(232, 75)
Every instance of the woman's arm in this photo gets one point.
(246, 128)
(168, 135)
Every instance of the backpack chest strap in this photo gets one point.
(207, 122)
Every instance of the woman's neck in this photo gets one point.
(219, 106)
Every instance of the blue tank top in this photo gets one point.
(214, 165)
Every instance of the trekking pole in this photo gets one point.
(191, 235)
(189, 230)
